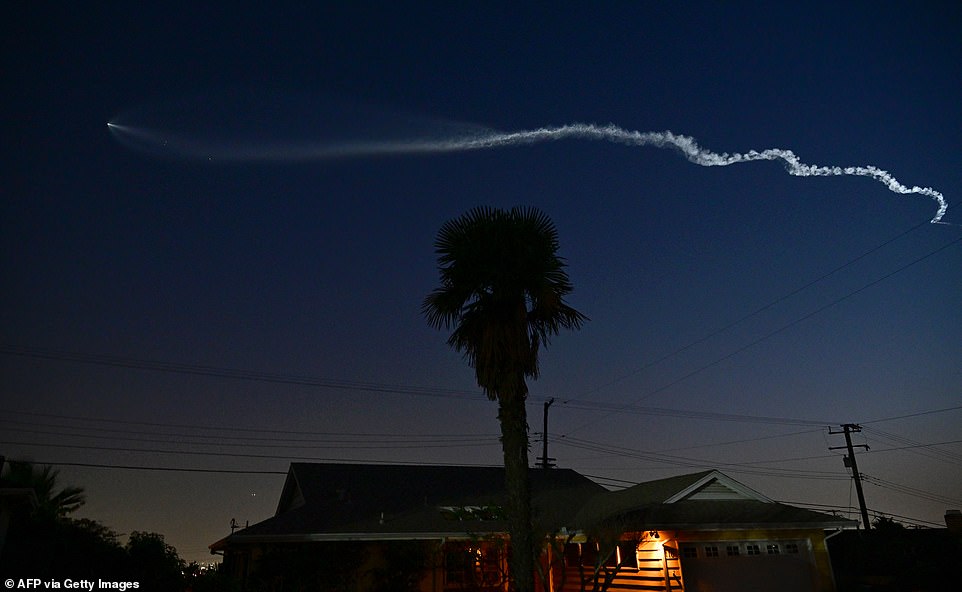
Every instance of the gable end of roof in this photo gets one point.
(717, 486)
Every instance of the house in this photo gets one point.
(370, 522)
(706, 531)
(440, 528)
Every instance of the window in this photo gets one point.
(753, 550)
(711, 551)
(791, 548)
(732, 550)
(689, 552)
(772, 549)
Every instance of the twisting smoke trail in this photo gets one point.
(489, 139)
(690, 149)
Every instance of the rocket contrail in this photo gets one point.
(690, 149)
(494, 139)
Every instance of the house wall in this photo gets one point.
(660, 564)
(476, 565)
(658, 561)
(808, 569)
(349, 566)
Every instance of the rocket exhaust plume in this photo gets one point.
(485, 139)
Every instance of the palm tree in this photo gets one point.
(51, 501)
(502, 290)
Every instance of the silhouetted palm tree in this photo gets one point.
(502, 290)
(51, 501)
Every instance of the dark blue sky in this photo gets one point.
(116, 261)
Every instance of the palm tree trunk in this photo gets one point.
(514, 443)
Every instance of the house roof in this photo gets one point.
(669, 490)
(708, 500)
(359, 501)
(729, 515)
(328, 502)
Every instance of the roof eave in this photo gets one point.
(714, 527)
(350, 536)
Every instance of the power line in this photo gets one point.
(302, 380)
(224, 428)
(420, 440)
(917, 414)
(231, 471)
(821, 456)
(876, 513)
(742, 441)
(201, 453)
(692, 414)
(693, 462)
(234, 373)
(146, 468)
(389, 441)
(300, 444)
(928, 450)
(911, 446)
(912, 491)
(214, 439)
(772, 333)
(240, 471)
(583, 444)
(756, 312)
(212, 371)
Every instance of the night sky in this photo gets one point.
(166, 308)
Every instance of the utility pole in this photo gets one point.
(545, 460)
(849, 461)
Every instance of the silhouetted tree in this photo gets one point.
(887, 524)
(45, 542)
(154, 564)
(44, 546)
(52, 500)
(502, 291)
(48, 544)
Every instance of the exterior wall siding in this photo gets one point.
(812, 550)
(801, 557)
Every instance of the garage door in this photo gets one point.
(737, 566)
